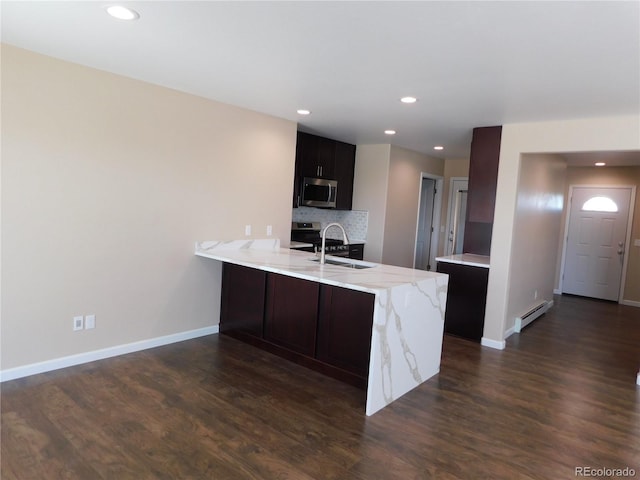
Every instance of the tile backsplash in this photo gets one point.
(355, 222)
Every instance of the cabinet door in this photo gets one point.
(345, 160)
(483, 180)
(291, 314)
(315, 156)
(344, 328)
(243, 297)
(466, 300)
(483, 174)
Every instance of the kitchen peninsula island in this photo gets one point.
(407, 305)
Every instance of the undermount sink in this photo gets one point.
(349, 263)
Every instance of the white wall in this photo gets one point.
(107, 182)
(370, 193)
(585, 135)
(537, 226)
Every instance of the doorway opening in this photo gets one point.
(428, 230)
(597, 239)
(456, 216)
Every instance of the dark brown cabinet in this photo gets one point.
(320, 157)
(356, 251)
(483, 180)
(291, 313)
(344, 328)
(316, 156)
(344, 166)
(466, 300)
(242, 305)
(320, 326)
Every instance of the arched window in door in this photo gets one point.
(599, 204)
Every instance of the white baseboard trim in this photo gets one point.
(71, 360)
(631, 303)
(557, 291)
(509, 332)
(487, 342)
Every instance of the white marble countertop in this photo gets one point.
(408, 316)
(469, 259)
(295, 245)
(298, 264)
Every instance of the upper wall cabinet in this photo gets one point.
(319, 157)
(483, 180)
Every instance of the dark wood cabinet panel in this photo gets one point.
(315, 156)
(322, 327)
(483, 174)
(344, 328)
(243, 300)
(466, 300)
(483, 180)
(291, 313)
(319, 157)
(477, 238)
(356, 251)
(345, 161)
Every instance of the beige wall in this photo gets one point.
(405, 179)
(627, 176)
(387, 184)
(107, 182)
(537, 227)
(370, 187)
(586, 135)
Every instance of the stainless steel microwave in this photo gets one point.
(319, 192)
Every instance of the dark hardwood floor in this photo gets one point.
(562, 395)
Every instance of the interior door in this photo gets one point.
(598, 219)
(425, 224)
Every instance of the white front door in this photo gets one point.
(598, 219)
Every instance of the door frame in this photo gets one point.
(565, 239)
(450, 206)
(435, 221)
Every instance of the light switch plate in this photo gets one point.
(636, 242)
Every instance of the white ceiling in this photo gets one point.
(470, 63)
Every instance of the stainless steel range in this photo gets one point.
(309, 232)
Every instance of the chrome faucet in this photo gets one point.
(324, 238)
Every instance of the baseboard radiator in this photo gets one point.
(528, 317)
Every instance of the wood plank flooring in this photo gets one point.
(562, 395)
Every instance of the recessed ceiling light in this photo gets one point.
(122, 13)
(303, 111)
(390, 132)
(408, 99)
(438, 147)
(600, 164)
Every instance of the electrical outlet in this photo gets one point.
(269, 230)
(78, 322)
(90, 322)
(247, 230)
